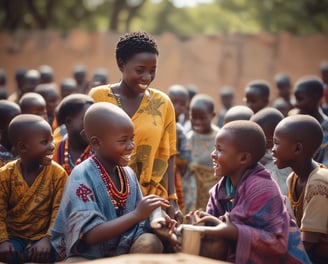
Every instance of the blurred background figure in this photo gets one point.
(68, 86)
(324, 78)
(284, 89)
(46, 74)
(31, 80)
(19, 79)
(80, 76)
(227, 101)
(3, 83)
(100, 77)
(257, 95)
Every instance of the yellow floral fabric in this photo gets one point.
(29, 212)
(155, 137)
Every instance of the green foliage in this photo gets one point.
(221, 16)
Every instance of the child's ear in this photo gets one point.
(120, 64)
(21, 147)
(245, 158)
(68, 121)
(298, 147)
(213, 115)
(94, 142)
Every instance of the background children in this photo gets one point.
(74, 147)
(152, 114)
(100, 77)
(238, 112)
(8, 110)
(200, 140)
(179, 97)
(185, 119)
(51, 96)
(3, 85)
(19, 79)
(102, 212)
(46, 74)
(33, 103)
(267, 119)
(296, 139)
(253, 216)
(308, 93)
(31, 80)
(30, 192)
(257, 94)
(68, 86)
(80, 76)
(284, 87)
(226, 97)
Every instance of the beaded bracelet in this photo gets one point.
(173, 196)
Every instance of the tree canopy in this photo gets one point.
(220, 16)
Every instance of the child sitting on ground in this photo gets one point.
(33, 103)
(246, 206)
(74, 147)
(296, 139)
(102, 212)
(30, 193)
(8, 110)
(267, 119)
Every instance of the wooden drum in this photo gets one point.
(194, 242)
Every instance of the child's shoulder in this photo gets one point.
(319, 174)
(8, 167)
(55, 170)
(259, 179)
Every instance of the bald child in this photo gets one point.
(103, 213)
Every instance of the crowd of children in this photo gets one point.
(83, 164)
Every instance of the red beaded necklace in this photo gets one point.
(118, 197)
(69, 164)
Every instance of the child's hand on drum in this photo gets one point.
(199, 217)
(167, 229)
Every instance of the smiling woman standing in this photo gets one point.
(152, 114)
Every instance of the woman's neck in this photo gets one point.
(125, 91)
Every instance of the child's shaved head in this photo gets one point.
(102, 117)
(248, 137)
(304, 129)
(23, 125)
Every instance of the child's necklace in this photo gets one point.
(69, 163)
(117, 197)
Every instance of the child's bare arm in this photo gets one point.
(115, 227)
